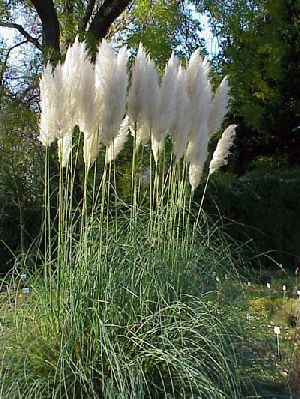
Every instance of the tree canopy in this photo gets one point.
(62, 20)
(259, 50)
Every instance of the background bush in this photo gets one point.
(262, 206)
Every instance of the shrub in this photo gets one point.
(263, 207)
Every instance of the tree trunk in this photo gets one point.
(104, 17)
(98, 29)
(50, 29)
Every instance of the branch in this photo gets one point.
(50, 28)
(87, 15)
(13, 47)
(23, 32)
(105, 16)
(3, 68)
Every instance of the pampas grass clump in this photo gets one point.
(124, 308)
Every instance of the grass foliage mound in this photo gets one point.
(124, 319)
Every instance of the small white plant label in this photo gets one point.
(276, 330)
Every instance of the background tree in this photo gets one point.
(21, 183)
(163, 28)
(259, 49)
(62, 20)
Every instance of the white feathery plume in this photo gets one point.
(118, 143)
(203, 93)
(48, 129)
(86, 115)
(195, 174)
(90, 148)
(76, 55)
(199, 91)
(54, 121)
(64, 146)
(104, 69)
(167, 99)
(79, 78)
(182, 120)
(85, 108)
(150, 110)
(157, 147)
(86, 105)
(192, 72)
(136, 92)
(72, 75)
(60, 90)
(196, 155)
(112, 81)
(221, 152)
(166, 105)
(60, 106)
(219, 107)
(200, 95)
(143, 96)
